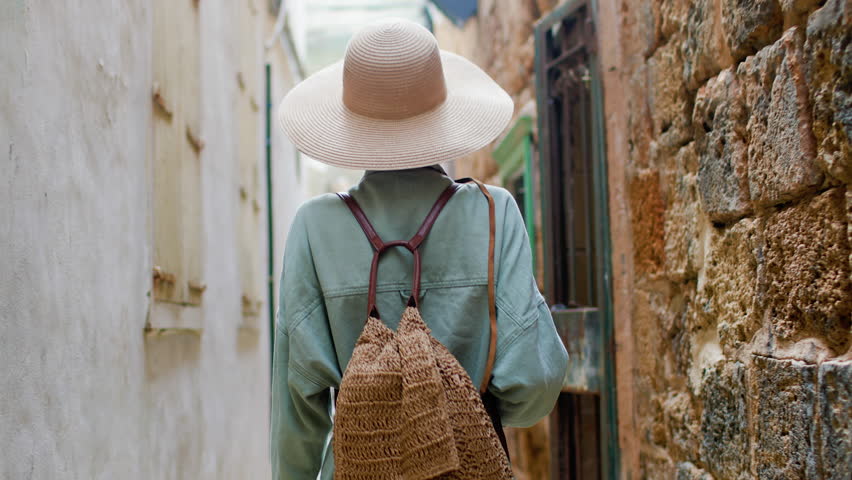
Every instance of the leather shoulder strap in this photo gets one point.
(439, 205)
(362, 219)
(418, 237)
(413, 245)
(492, 295)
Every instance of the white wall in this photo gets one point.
(84, 394)
(288, 169)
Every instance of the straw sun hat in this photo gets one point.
(395, 101)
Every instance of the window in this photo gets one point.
(572, 208)
(176, 149)
(248, 113)
(576, 236)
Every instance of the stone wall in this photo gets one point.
(737, 128)
(728, 128)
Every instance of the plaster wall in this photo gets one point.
(85, 393)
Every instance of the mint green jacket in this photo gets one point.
(323, 305)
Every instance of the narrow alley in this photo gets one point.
(682, 168)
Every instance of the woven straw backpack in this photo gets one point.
(406, 409)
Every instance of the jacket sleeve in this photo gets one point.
(304, 365)
(531, 360)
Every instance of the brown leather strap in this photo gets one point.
(413, 245)
(372, 310)
(492, 295)
(362, 219)
(418, 237)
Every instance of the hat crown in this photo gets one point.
(392, 70)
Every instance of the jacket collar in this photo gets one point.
(438, 168)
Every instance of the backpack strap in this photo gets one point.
(379, 247)
(492, 295)
(362, 219)
(413, 244)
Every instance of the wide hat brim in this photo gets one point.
(475, 112)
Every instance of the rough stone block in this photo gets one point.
(662, 312)
(660, 315)
(686, 160)
(646, 214)
(679, 417)
(688, 471)
(729, 286)
(720, 121)
(795, 12)
(639, 123)
(672, 16)
(682, 248)
(784, 398)
(849, 222)
(829, 47)
(643, 18)
(668, 100)
(750, 24)
(806, 272)
(781, 147)
(705, 50)
(835, 423)
(724, 424)
(655, 465)
(649, 366)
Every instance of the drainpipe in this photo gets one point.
(270, 227)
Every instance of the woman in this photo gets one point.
(396, 106)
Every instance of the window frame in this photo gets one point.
(586, 330)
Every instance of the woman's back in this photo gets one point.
(453, 295)
(326, 277)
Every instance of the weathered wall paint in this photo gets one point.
(84, 393)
